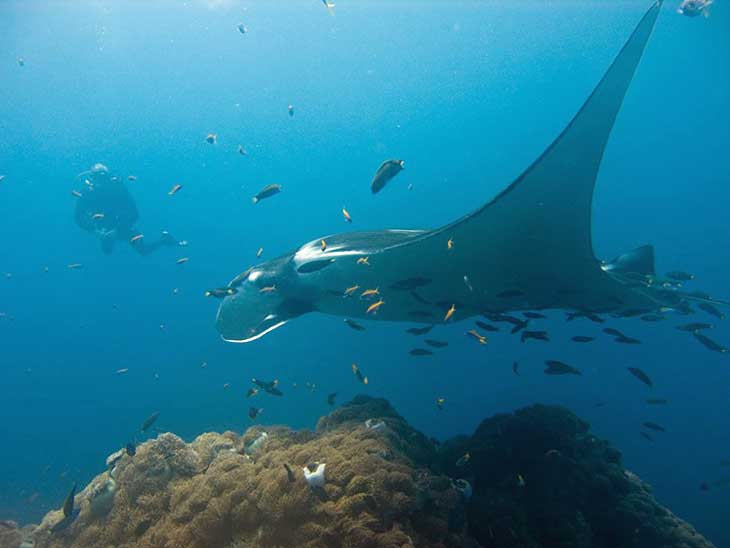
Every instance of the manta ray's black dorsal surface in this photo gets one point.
(528, 248)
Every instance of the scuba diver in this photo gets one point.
(106, 208)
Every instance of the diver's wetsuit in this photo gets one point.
(107, 209)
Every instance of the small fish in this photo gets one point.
(251, 392)
(373, 308)
(582, 339)
(450, 313)
(97, 216)
(290, 110)
(356, 371)
(570, 316)
(76, 194)
(613, 332)
(364, 260)
(346, 215)
(386, 171)
(520, 480)
(440, 403)
(174, 190)
(136, 238)
(149, 421)
(242, 28)
(289, 473)
(122, 371)
(267, 192)
(534, 315)
(75, 266)
(680, 276)
(536, 335)
(220, 292)
(657, 401)
(463, 460)
(130, 449)
(242, 150)
(212, 138)
(519, 326)
(368, 293)
(708, 343)
(419, 330)
(474, 334)
(259, 252)
(626, 340)
(639, 374)
(468, 285)
(555, 367)
(182, 260)
(21, 62)
(486, 326)
(350, 291)
(323, 245)
(226, 386)
(436, 344)
(646, 436)
(268, 289)
(331, 398)
(711, 310)
(696, 326)
(354, 325)
(420, 352)
(270, 387)
(516, 368)
(131, 178)
(654, 426)
(254, 412)
(450, 244)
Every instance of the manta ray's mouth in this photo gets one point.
(257, 336)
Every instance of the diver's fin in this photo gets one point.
(547, 210)
(637, 261)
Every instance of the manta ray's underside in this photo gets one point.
(529, 248)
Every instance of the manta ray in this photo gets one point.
(528, 248)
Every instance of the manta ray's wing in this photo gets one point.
(530, 247)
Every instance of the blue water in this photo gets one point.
(468, 93)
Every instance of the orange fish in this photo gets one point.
(346, 215)
(369, 293)
(174, 190)
(473, 333)
(350, 290)
(364, 260)
(450, 313)
(268, 289)
(183, 260)
(136, 238)
(373, 308)
(450, 243)
(323, 245)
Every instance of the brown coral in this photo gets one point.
(210, 493)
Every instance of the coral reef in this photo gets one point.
(10, 536)
(533, 479)
(213, 493)
(540, 479)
